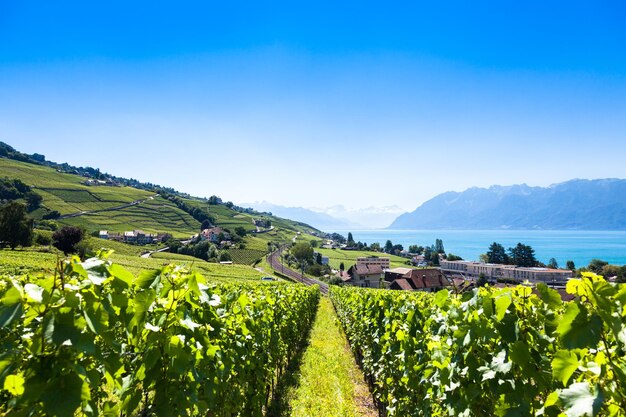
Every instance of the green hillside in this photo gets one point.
(124, 208)
(67, 194)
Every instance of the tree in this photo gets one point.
(375, 247)
(342, 267)
(596, 265)
(239, 230)
(413, 249)
(553, 264)
(315, 270)
(66, 238)
(173, 245)
(570, 265)
(212, 253)
(335, 280)
(303, 252)
(206, 223)
(496, 254)
(350, 239)
(388, 246)
(523, 255)
(439, 246)
(15, 228)
(453, 257)
(314, 243)
(214, 200)
(201, 250)
(396, 249)
(482, 280)
(225, 256)
(33, 200)
(610, 271)
(318, 259)
(54, 214)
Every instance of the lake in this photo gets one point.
(579, 246)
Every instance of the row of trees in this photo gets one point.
(16, 229)
(520, 255)
(13, 189)
(200, 249)
(524, 255)
(196, 212)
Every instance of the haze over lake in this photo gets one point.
(579, 246)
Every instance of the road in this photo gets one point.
(148, 254)
(274, 260)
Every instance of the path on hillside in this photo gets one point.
(149, 254)
(123, 206)
(274, 260)
(329, 382)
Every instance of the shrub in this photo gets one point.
(67, 238)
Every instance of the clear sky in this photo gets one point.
(319, 103)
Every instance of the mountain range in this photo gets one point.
(577, 205)
(333, 218)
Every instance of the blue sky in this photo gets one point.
(316, 104)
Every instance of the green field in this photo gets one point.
(348, 257)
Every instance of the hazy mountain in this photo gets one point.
(316, 219)
(577, 204)
(369, 217)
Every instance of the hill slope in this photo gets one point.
(120, 208)
(577, 204)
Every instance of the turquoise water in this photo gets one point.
(576, 245)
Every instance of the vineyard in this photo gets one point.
(163, 343)
(246, 256)
(503, 352)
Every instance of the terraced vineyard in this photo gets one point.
(162, 343)
(153, 215)
(246, 256)
(67, 194)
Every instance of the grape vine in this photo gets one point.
(95, 340)
(503, 352)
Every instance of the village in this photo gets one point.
(375, 272)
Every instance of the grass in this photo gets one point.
(348, 257)
(330, 383)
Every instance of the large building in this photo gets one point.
(373, 260)
(473, 270)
